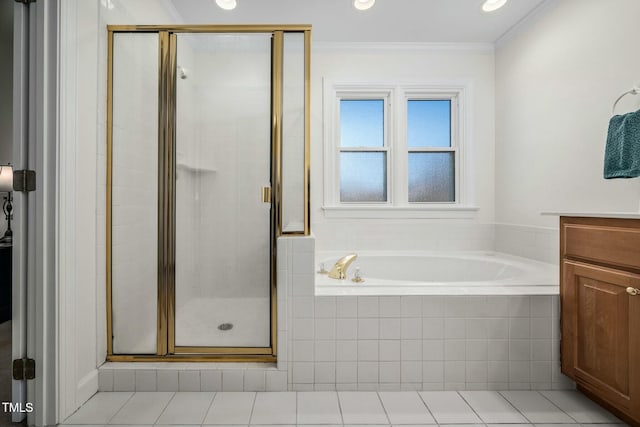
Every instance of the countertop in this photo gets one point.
(623, 215)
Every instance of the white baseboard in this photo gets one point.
(87, 387)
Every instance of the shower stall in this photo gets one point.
(208, 164)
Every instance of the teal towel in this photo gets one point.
(622, 153)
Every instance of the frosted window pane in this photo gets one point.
(363, 177)
(431, 177)
(429, 123)
(362, 123)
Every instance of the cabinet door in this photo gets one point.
(600, 343)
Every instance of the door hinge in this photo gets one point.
(24, 180)
(24, 369)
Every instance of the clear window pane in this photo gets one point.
(431, 177)
(363, 177)
(429, 123)
(362, 123)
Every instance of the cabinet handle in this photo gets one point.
(633, 291)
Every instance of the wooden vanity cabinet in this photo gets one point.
(600, 311)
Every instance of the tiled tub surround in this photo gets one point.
(377, 343)
(414, 342)
(424, 343)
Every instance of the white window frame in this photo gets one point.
(395, 127)
(386, 96)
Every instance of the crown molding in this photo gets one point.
(406, 46)
(525, 22)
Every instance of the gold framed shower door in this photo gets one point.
(166, 349)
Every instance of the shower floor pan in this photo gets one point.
(223, 322)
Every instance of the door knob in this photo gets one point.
(633, 291)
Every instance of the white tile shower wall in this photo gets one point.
(539, 243)
(227, 240)
(415, 342)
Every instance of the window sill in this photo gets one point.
(433, 212)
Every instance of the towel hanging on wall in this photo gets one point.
(622, 152)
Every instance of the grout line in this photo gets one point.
(514, 406)
(253, 405)
(209, 407)
(554, 404)
(471, 407)
(165, 406)
(339, 406)
(427, 406)
(123, 405)
(383, 407)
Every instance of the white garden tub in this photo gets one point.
(437, 273)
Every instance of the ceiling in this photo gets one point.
(418, 21)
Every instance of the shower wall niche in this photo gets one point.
(208, 146)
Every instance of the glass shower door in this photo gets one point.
(222, 163)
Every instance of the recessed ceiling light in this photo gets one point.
(491, 5)
(363, 4)
(226, 4)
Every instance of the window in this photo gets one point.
(393, 148)
(363, 151)
(431, 155)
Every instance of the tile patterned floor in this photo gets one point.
(357, 408)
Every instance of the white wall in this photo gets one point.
(556, 80)
(82, 154)
(6, 89)
(380, 64)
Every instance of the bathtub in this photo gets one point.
(438, 273)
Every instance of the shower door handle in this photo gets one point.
(266, 194)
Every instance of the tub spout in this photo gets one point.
(339, 270)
